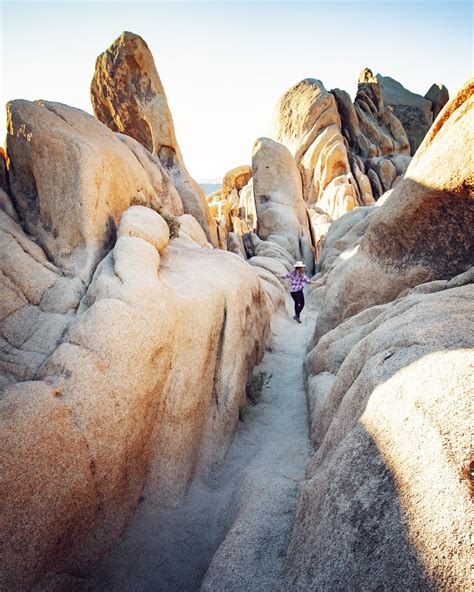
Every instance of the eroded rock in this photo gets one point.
(128, 96)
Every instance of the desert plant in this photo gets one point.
(172, 221)
(244, 410)
(255, 386)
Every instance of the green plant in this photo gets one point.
(255, 386)
(244, 410)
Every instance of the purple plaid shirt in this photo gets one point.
(297, 281)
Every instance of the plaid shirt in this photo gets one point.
(297, 281)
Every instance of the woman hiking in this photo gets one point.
(298, 279)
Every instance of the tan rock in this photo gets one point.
(279, 202)
(128, 96)
(146, 224)
(236, 178)
(107, 412)
(422, 232)
(388, 389)
(168, 197)
(71, 178)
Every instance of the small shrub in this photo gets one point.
(173, 223)
(255, 386)
(244, 410)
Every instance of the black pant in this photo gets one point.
(298, 297)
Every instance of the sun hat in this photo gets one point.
(299, 264)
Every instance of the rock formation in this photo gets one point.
(128, 96)
(414, 111)
(100, 311)
(281, 210)
(309, 125)
(233, 208)
(435, 197)
(350, 153)
(62, 159)
(438, 95)
(389, 380)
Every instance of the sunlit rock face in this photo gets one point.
(422, 232)
(351, 153)
(71, 178)
(128, 96)
(126, 341)
(389, 382)
(281, 209)
(309, 125)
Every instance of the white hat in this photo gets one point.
(299, 264)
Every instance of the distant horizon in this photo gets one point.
(225, 65)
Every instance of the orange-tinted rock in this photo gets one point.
(128, 96)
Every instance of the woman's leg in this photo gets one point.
(295, 298)
(299, 303)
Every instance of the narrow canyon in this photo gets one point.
(166, 424)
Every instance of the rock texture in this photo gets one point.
(422, 232)
(309, 125)
(438, 95)
(70, 179)
(281, 210)
(128, 96)
(389, 382)
(414, 111)
(94, 403)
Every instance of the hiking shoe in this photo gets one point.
(297, 318)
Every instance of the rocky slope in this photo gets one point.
(389, 382)
(100, 313)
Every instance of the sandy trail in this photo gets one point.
(235, 525)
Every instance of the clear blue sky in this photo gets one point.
(224, 65)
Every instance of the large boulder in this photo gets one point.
(128, 96)
(385, 506)
(309, 125)
(422, 232)
(279, 202)
(70, 180)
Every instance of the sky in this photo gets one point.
(224, 65)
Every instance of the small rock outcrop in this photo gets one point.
(128, 96)
(233, 208)
(388, 379)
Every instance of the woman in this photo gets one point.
(298, 279)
